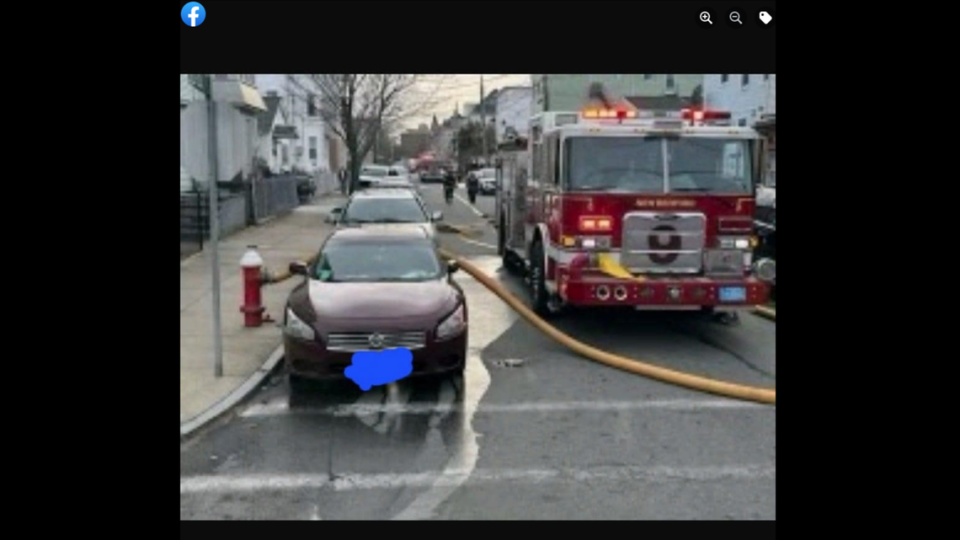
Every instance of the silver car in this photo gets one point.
(391, 207)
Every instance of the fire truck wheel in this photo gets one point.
(502, 241)
(543, 304)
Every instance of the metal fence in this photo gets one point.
(273, 196)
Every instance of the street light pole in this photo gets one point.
(483, 123)
(214, 228)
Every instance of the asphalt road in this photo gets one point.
(531, 431)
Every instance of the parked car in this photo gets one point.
(488, 180)
(372, 175)
(396, 208)
(370, 291)
(432, 174)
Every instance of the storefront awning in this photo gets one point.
(241, 95)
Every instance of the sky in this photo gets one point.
(439, 94)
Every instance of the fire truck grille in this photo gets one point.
(663, 242)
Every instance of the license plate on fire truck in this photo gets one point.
(733, 294)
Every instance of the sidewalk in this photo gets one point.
(287, 238)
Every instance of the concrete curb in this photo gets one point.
(766, 313)
(213, 412)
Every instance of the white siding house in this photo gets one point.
(315, 150)
(238, 104)
(748, 97)
(513, 111)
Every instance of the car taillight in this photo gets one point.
(596, 223)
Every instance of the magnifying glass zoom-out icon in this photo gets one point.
(735, 17)
(705, 17)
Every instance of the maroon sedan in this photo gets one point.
(373, 289)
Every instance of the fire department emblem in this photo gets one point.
(376, 341)
(664, 238)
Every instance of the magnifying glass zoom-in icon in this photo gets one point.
(705, 17)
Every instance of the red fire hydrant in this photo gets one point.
(252, 307)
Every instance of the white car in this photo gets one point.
(488, 180)
(391, 208)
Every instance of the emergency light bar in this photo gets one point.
(609, 113)
(704, 115)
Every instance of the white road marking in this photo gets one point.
(362, 409)
(453, 478)
(488, 319)
(477, 243)
(315, 513)
(470, 206)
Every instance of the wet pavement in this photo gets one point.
(531, 431)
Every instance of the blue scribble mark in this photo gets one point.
(375, 368)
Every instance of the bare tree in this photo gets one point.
(357, 106)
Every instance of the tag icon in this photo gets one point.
(765, 17)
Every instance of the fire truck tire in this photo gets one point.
(502, 241)
(539, 295)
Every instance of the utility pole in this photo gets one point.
(483, 122)
(214, 227)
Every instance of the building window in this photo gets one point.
(313, 150)
(766, 77)
(742, 122)
(647, 76)
(724, 78)
(746, 79)
(669, 81)
(311, 105)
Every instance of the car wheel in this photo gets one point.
(298, 384)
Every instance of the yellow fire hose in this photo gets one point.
(748, 393)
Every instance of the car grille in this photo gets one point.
(361, 341)
(663, 242)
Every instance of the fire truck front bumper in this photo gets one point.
(671, 292)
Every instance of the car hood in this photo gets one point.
(374, 227)
(377, 302)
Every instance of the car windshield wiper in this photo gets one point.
(394, 220)
(692, 189)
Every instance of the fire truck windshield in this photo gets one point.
(636, 165)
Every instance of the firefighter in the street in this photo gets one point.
(449, 183)
(473, 186)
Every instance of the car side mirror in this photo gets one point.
(298, 268)
(334, 215)
(452, 267)
(437, 216)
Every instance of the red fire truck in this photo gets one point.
(613, 206)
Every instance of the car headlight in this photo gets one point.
(453, 325)
(295, 327)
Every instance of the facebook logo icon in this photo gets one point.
(193, 14)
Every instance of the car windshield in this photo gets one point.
(384, 210)
(371, 171)
(486, 173)
(636, 165)
(376, 262)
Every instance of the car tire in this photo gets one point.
(298, 384)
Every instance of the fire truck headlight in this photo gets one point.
(742, 243)
(593, 242)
